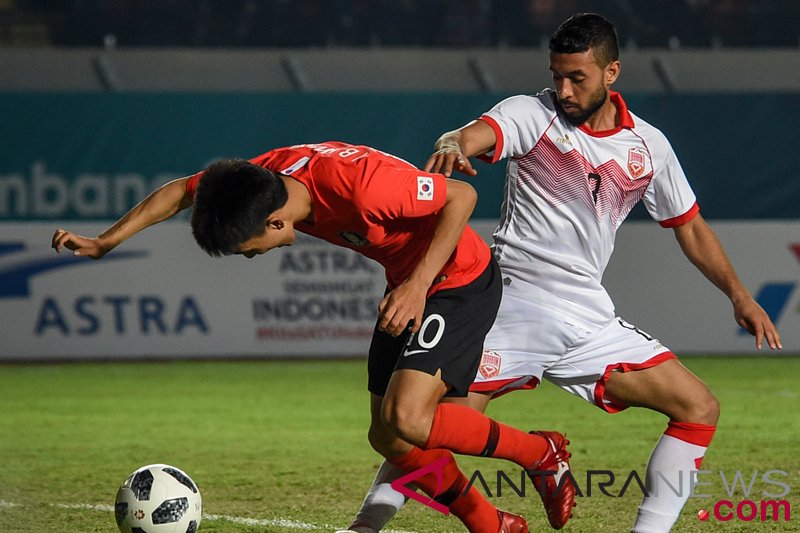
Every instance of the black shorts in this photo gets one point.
(454, 326)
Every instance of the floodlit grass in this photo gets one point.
(287, 440)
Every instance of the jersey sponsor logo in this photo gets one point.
(638, 162)
(564, 140)
(490, 364)
(354, 238)
(424, 188)
(414, 352)
(15, 276)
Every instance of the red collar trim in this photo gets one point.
(625, 121)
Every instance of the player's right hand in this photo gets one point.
(444, 160)
(80, 245)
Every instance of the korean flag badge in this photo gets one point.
(424, 188)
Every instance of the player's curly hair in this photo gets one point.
(233, 200)
(584, 31)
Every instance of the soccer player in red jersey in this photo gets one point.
(443, 291)
(578, 161)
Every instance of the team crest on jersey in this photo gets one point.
(424, 188)
(638, 162)
(490, 364)
(354, 238)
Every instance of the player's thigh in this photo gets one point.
(411, 400)
(616, 347)
(384, 351)
(450, 340)
(668, 388)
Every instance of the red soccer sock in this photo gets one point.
(466, 431)
(471, 508)
(692, 433)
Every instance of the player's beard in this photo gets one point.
(582, 114)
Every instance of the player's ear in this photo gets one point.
(612, 72)
(275, 223)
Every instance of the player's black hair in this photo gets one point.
(583, 31)
(233, 200)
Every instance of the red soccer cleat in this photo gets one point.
(511, 523)
(548, 476)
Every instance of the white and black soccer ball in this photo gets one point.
(158, 499)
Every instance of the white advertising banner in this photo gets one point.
(159, 295)
(655, 287)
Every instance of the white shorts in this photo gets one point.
(531, 339)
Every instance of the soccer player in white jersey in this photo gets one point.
(578, 161)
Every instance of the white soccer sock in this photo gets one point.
(671, 475)
(382, 501)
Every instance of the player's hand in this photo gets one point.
(80, 245)
(444, 160)
(755, 320)
(403, 305)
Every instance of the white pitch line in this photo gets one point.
(275, 522)
(86, 506)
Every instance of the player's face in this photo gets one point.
(581, 84)
(275, 235)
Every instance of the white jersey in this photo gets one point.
(567, 191)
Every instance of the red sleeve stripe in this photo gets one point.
(191, 184)
(498, 143)
(682, 219)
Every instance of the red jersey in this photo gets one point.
(376, 204)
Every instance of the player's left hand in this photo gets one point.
(404, 304)
(447, 159)
(755, 320)
(80, 245)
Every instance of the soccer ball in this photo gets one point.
(158, 499)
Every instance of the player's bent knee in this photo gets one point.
(702, 409)
(406, 424)
(710, 410)
(382, 440)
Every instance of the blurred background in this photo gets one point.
(103, 100)
(371, 23)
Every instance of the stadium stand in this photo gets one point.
(387, 70)
(420, 23)
(462, 46)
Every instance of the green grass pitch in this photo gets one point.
(286, 441)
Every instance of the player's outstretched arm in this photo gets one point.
(407, 301)
(160, 205)
(454, 148)
(704, 250)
